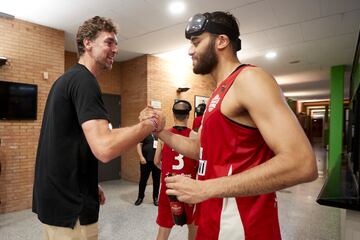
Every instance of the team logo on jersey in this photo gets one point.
(202, 167)
(214, 102)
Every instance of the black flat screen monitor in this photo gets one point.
(18, 101)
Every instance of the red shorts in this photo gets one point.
(164, 218)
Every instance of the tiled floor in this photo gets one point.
(301, 218)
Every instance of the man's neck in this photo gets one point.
(90, 64)
(180, 123)
(224, 68)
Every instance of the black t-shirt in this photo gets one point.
(66, 171)
(148, 149)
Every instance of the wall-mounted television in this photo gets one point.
(18, 101)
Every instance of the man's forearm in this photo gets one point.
(183, 145)
(121, 139)
(275, 174)
(139, 150)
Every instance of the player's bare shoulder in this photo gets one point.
(254, 75)
(255, 82)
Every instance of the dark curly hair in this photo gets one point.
(90, 30)
(228, 20)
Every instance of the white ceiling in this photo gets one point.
(318, 33)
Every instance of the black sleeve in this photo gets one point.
(86, 97)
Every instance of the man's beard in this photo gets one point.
(207, 61)
(103, 64)
(107, 66)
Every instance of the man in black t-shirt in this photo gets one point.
(146, 151)
(75, 134)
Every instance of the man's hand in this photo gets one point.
(153, 117)
(150, 117)
(142, 160)
(101, 196)
(186, 189)
(147, 113)
(161, 120)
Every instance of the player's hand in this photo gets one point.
(147, 113)
(161, 120)
(149, 117)
(186, 189)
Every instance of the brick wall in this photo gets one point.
(133, 75)
(32, 49)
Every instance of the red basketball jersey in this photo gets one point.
(173, 162)
(228, 148)
(197, 122)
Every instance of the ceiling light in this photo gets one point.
(271, 55)
(176, 7)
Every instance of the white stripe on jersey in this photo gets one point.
(231, 226)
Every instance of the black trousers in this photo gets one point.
(145, 170)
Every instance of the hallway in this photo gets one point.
(301, 218)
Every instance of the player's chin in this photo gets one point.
(108, 66)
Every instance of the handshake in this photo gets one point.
(153, 117)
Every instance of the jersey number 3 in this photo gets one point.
(180, 159)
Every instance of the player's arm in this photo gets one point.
(106, 143)
(186, 146)
(158, 154)
(194, 134)
(139, 152)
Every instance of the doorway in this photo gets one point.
(111, 170)
(316, 128)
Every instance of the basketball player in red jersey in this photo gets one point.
(250, 143)
(172, 162)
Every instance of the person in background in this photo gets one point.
(250, 144)
(199, 110)
(146, 151)
(172, 162)
(75, 135)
